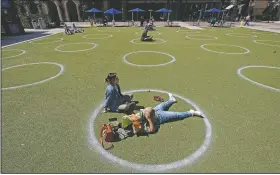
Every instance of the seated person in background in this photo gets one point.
(114, 102)
(144, 36)
(148, 121)
(105, 21)
(213, 21)
(76, 30)
(67, 30)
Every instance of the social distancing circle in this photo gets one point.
(152, 32)
(12, 50)
(93, 45)
(98, 36)
(188, 31)
(148, 42)
(110, 30)
(190, 159)
(36, 83)
(241, 35)
(201, 37)
(239, 73)
(156, 65)
(49, 42)
(262, 42)
(230, 53)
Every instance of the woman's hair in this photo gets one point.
(110, 77)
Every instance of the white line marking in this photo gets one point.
(240, 35)
(257, 41)
(108, 31)
(60, 39)
(210, 37)
(36, 83)
(246, 50)
(188, 31)
(239, 73)
(30, 40)
(22, 52)
(106, 36)
(71, 51)
(190, 159)
(173, 59)
(153, 32)
(148, 42)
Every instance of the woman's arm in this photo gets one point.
(119, 89)
(108, 97)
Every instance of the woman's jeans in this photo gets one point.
(164, 116)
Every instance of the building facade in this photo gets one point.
(56, 11)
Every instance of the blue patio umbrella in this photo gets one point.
(214, 10)
(164, 10)
(113, 12)
(94, 10)
(136, 10)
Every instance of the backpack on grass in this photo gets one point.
(112, 132)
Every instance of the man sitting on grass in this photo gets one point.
(145, 36)
(213, 21)
(76, 30)
(67, 30)
(148, 121)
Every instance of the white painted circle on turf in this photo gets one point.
(109, 30)
(239, 73)
(34, 42)
(36, 83)
(22, 52)
(71, 51)
(245, 49)
(155, 65)
(260, 42)
(105, 36)
(94, 142)
(148, 42)
(152, 32)
(241, 35)
(205, 37)
(188, 31)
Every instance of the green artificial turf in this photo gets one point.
(46, 40)
(28, 74)
(267, 76)
(148, 58)
(45, 127)
(6, 53)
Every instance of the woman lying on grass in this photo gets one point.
(149, 120)
(115, 101)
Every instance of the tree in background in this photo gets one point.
(271, 11)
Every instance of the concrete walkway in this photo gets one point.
(264, 26)
(30, 34)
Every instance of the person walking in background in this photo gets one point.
(91, 23)
(142, 21)
(247, 19)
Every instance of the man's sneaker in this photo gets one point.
(172, 98)
(195, 113)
